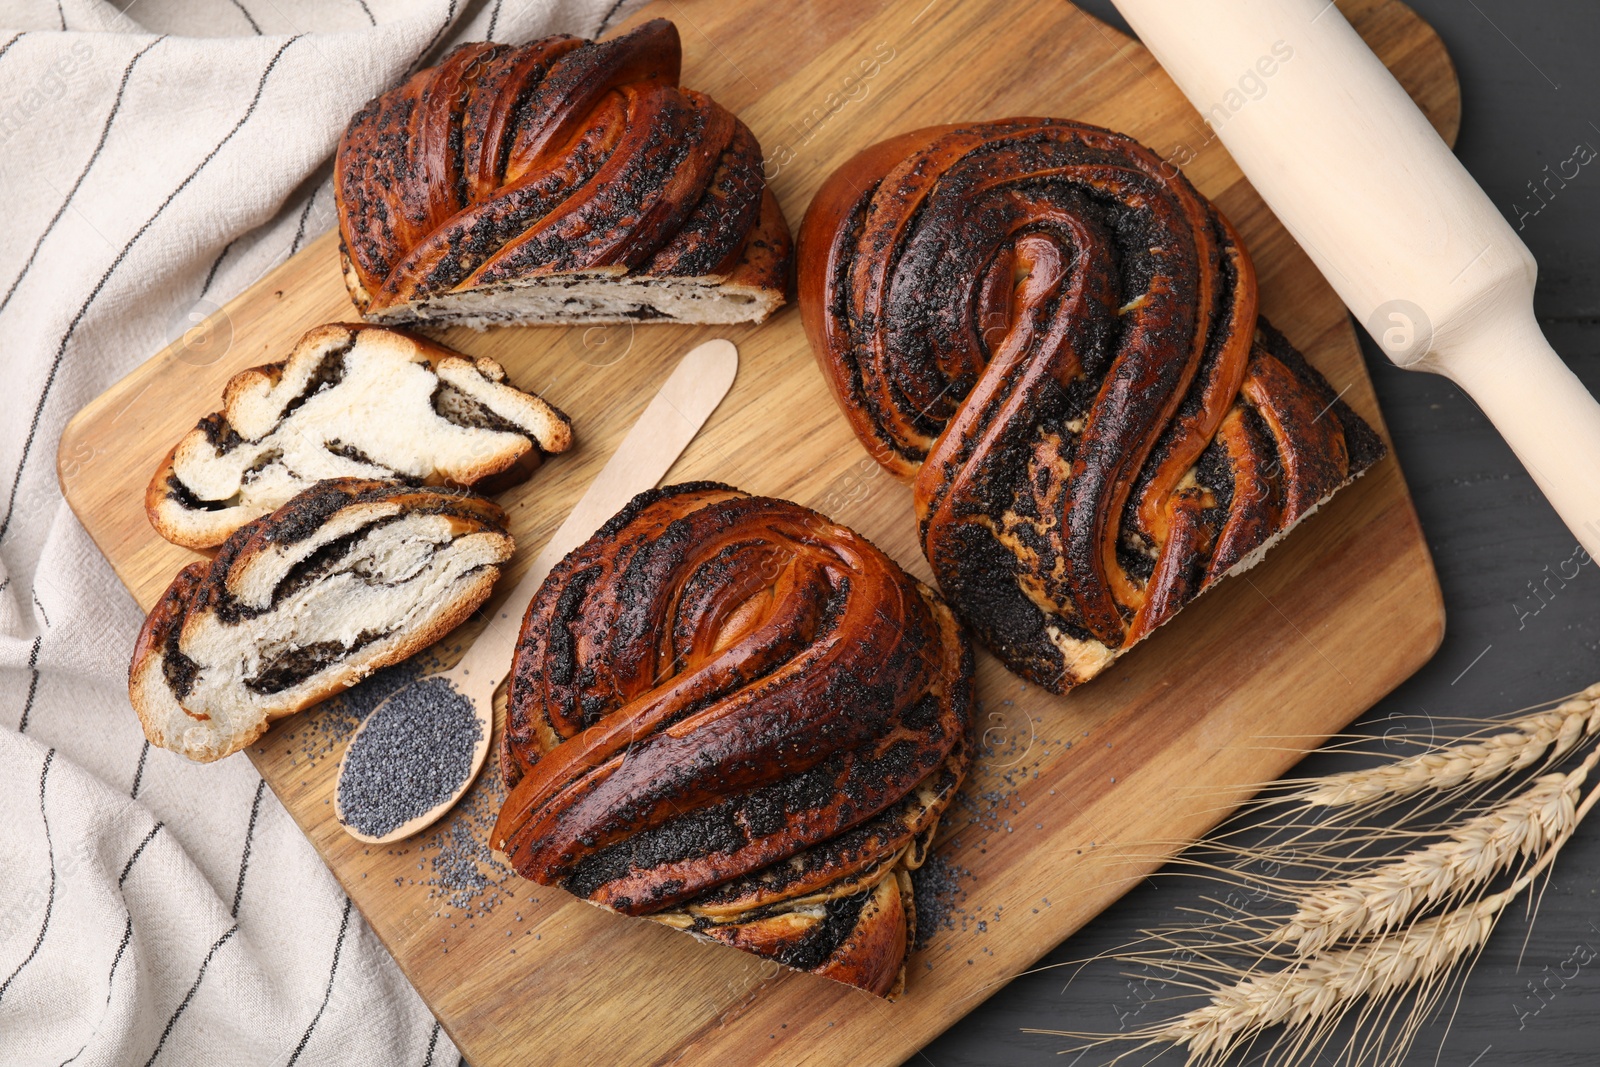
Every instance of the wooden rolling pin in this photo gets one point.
(1392, 219)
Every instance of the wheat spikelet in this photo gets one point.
(1313, 989)
(1523, 742)
(1367, 942)
(1470, 855)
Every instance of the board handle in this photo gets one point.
(1402, 232)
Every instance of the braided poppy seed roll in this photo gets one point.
(563, 180)
(734, 717)
(1055, 339)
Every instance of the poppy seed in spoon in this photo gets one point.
(413, 754)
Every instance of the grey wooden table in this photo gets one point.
(1530, 86)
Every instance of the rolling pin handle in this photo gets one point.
(1542, 409)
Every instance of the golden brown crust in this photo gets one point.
(764, 263)
(1046, 330)
(155, 495)
(735, 717)
(562, 156)
(165, 619)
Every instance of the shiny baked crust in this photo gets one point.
(351, 401)
(349, 576)
(563, 180)
(1054, 337)
(734, 717)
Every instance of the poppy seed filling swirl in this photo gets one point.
(737, 718)
(1056, 339)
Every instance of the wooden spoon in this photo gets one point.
(683, 404)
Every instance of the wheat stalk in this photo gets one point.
(1323, 984)
(1366, 932)
(1468, 857)
(1523, 742)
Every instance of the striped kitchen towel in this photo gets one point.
(156, 157)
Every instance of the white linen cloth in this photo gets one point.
(156, 157)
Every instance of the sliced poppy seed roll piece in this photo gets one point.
(349, 576)
(1055, 338)
(564, 181)
(349, 402)
(737, 718)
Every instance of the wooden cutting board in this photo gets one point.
(1047, 832)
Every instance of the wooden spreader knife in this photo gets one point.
(1407, 239)
(670, 421)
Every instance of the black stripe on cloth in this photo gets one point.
(77, 319)
(33, 685)
(338, 947)
(61, 11)
(127, 867)
(305, 213)
(249, 835)
(177, 1012)
(607, 20)
(449, 17)
(367, 11)
(138, 774)
(43, 614)
(116, 961)
(127, 938)
(211, 275)
(105, 130)
(254, 25)
(433, 1039)
(50, 897)
(494, 20)
(4, 48)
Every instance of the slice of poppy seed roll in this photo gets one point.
(349, 576)
(351, 401)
